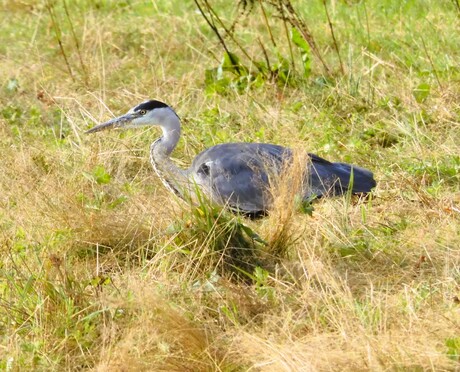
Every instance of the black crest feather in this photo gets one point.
(150, 105)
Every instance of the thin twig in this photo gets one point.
(295, 21)
(77, 44)
(230, 34)
(57, 32)
(431, 63)
(267, 24)
(216, 31)
(267, 60)
(369, 60)
(336, 46)
(227, 31)
(286, 31)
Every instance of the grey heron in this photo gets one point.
(235, 174)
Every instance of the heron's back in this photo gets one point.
(240, 174)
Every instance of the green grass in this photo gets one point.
(103, 269)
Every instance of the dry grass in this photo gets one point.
(103, 270)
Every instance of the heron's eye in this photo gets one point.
(142, 112)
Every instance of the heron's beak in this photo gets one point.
(119, 122)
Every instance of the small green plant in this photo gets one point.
(421, 92)
(304, 49)
(445, 169)
(12, 86)
(275, 66)
(12, 114)
(232, 74)
(221, 239)
(263, 289)
(51, 294)
(102, 195)
(99, 175)
(305, 205)
(453, 348)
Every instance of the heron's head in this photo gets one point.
(147, 113)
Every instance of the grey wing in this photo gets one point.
(326, 178)
(238, 174)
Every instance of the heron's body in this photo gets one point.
(239, 175)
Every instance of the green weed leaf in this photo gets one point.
(12, 85)
(422, 92)
(453, 348)
(232, 63)
(305, 205)
(304, 48)
(101, 176)
(252, 234)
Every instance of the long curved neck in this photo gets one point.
(173, 177)
(170, 125)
